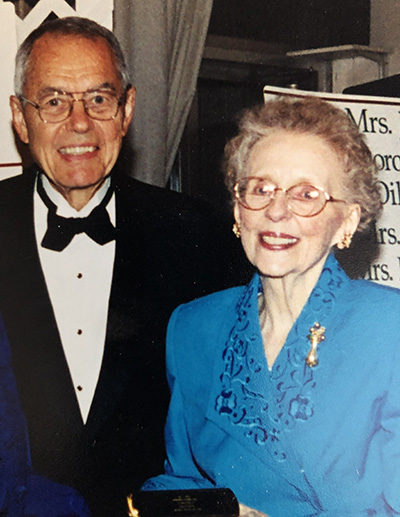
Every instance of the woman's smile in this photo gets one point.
(277, 241)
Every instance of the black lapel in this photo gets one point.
(126, 314)
(41, 370)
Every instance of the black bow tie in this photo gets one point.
(61, 230)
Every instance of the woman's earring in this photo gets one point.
(346, 241)
(236, 229)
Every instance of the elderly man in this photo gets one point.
(91, 265)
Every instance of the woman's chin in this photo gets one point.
(273, 272)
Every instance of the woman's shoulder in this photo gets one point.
(370, 292)
(374, 306)
(209, 315)
(215, 304)
(200, 328)
(359, 295)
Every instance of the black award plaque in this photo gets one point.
(215, 502)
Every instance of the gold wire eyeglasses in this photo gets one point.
(305, 200)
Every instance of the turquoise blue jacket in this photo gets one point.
(294, 440)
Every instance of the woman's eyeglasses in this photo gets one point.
(304, 200)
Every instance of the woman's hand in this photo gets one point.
(245, 511)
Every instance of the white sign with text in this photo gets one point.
(378, 118)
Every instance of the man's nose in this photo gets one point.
(79, 120)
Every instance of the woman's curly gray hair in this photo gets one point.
(314, 116)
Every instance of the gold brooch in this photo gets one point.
(315, 336)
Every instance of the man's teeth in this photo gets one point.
(269, 239)
(77, 150)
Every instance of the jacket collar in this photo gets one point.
(257, 407)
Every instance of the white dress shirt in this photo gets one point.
(78, 280)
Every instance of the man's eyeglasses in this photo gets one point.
(304, 200)
(57, 106)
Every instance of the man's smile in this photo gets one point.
(79, 150)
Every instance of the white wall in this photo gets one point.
(8, 44)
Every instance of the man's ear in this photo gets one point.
(18, 119)
(128, 108)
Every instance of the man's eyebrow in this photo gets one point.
(104, 86)
(51, 89)
(101, 87)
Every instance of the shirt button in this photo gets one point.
(79, 388)
(79, 275)
(79, 332)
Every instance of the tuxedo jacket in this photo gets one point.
(293, 440)
(168, 251)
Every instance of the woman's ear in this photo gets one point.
(236, 212)
(349, 226)
(353, 217)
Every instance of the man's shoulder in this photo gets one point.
(26, 178)
(17, 189)
(193, 231)
(131, 186)
(154, 198)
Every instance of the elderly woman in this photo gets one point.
(287, 391)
